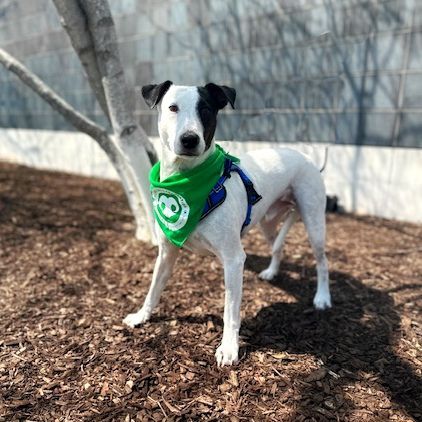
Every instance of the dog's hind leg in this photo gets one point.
(268, 228)
(316, 233)
(167, 256)
(311, 200)
(277, 246)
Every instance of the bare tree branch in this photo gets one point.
(78, 120)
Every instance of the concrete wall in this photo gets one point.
(379, 181)
(333, 71)
(308, 73)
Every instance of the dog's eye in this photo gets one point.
(174, 108)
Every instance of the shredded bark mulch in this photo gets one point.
(71, 269)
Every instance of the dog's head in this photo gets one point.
(187, 115)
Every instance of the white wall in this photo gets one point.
(386, 182)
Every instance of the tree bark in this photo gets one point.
(78, 120)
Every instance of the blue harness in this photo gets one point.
(218, 193)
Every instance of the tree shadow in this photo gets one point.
(356, 338)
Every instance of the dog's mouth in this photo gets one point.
(189, 154)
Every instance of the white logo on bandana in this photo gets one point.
(170, 208)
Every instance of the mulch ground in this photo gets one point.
(70, 270)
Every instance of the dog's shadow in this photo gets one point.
(357, 336)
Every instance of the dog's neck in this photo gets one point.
(172, 163)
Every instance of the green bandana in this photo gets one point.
(179, 200)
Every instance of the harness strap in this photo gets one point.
(251, 193)
(218, 193)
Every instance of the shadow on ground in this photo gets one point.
(354, 339)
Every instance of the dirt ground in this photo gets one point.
(70, 270)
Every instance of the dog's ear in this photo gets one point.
(221, 94)
(153, 93)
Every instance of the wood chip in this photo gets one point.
(316, 375)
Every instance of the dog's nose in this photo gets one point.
(190, 140)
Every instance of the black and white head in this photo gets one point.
(187, 115)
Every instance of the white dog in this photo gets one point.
(289, 183)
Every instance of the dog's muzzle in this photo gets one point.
(189, 141)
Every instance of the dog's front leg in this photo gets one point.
(167, 255)
(227, 352)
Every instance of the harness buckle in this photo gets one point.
(218, 186)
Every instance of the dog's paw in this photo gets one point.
(267, 274)
(322, 301)
(138, 318)
(227, 354)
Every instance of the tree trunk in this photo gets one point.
(131, 137)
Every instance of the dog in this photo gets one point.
(289, 183)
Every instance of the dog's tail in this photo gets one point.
(325, 160)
